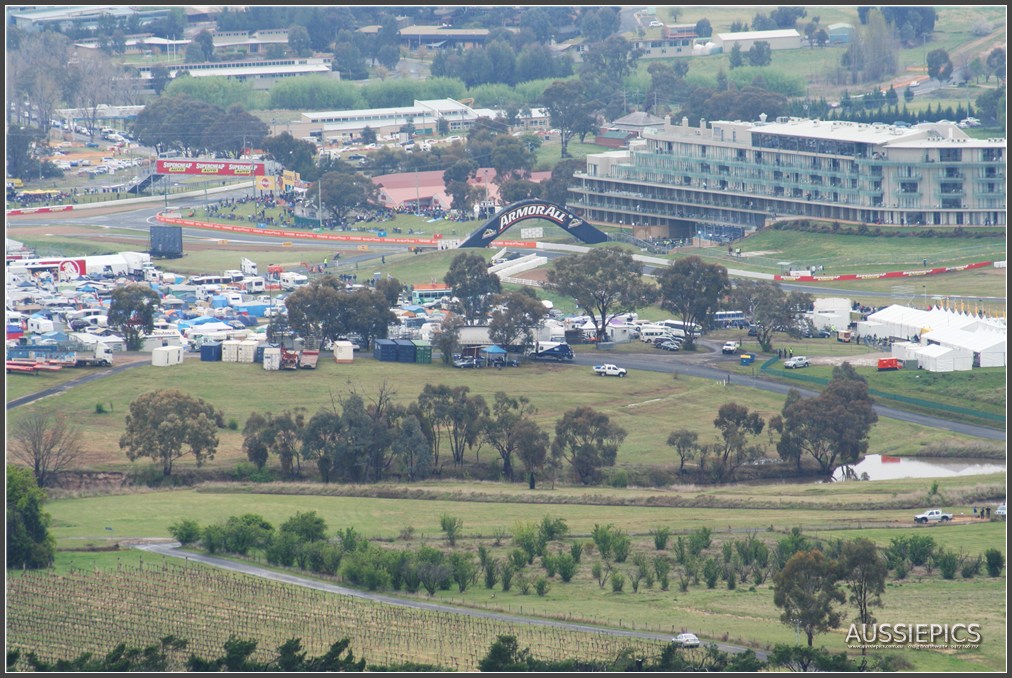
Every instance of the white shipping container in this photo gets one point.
(247, 350)
(164, 356)
(230, 351)
(272, 358)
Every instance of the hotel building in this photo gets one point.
(679, 180)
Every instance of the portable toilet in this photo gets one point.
(272, 357)
(211, 351)
(405, 350)
(258, 353)
(230, 351)
(344, 351)
(423, 351)
(164, 356)
(385, 350)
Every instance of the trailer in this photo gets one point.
(308, 359)
(65, 354)
(548, 350)
(289, 359)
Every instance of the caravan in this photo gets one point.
(292, 281)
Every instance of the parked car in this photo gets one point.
(796, 362)
(1000, 511)
(933, 516)
(686, 640)
(668, 346)
(466, 363)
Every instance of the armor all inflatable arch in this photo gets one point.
(533, 209)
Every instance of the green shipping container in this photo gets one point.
(423, 352)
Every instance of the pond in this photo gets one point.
(881, 467)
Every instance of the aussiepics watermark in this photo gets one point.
(925, 636)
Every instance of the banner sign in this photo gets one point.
(218, 168)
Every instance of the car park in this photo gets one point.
(686, 640)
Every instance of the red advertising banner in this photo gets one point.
(220, 168)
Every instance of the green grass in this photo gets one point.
(880, 505)
(743, 616)
(648, 405)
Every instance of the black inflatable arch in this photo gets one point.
(533, 209)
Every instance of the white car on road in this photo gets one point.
(686, 640)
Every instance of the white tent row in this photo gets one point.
(903, 322)
(988, 348)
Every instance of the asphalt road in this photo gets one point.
(171, 550)
(711, 364)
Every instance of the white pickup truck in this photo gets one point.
(731, 347)
(933, 516)
(609, 370)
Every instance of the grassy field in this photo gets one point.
(637, 404)
(745, 615)
(885, 506)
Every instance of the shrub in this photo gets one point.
(281, 551)
(506, 573)
(523, 584)
(699, 541)
(617, 582)
(566, 565)
(491, 568)
(619, 479)
(683, 584)
(661, 536)
(548, 562)
(248, 472)
(598, 571)
(529, 538)
(635, 576)
(552, 529)
(711, 572)
(994, 562)
(731, 581)
(541, 586)
(100, 408)
(452, 526)
(971, 567)
(499, 534)
(185, 531)
(518, 559)
(620, 546)
(947, 562)
(901, 571)
(233, 424)
(576, 550)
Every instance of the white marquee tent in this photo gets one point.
(989, 347)
(935, 358)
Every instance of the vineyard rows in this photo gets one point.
(61, 616)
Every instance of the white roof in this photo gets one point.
(977, 342)
(759, 35)
(933, 351)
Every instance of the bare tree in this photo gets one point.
(47, 443)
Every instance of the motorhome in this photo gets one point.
(253, 285)
(291, 280)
